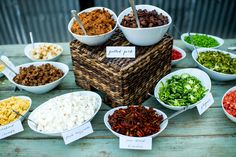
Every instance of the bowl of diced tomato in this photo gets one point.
(229, 104)
(178, 54)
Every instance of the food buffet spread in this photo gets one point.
(122, 82)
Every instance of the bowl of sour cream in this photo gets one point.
(65, 112)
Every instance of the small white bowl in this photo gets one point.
(199, 74)
(213, 74)
(21, 118)
(29, 48)
(226, 113)
(87, 93)
(42, 88)
(191, 47)
(144, 36)
(183, 53)
(110, 112)
(94, 40)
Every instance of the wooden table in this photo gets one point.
(189, 134)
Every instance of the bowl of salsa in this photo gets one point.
(178, 54)
(229, 104)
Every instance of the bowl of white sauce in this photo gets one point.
(65, 112)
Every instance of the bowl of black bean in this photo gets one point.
(154, 23)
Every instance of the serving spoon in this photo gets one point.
(135, 12)
(4, 60)
(74, 13)
(31, 39)
(232, 48)
(7, 63)
(185, 108)
(36, 124)
(177, 30)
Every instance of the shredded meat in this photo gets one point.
(38, 75)
(96, 22)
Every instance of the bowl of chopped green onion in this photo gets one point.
(185, 87)
(220, 65)
(201, 41)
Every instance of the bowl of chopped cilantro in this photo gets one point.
(201, 41)
(220, 65)
(185, 87)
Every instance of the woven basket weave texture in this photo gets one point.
(124, 81)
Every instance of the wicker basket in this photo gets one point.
(123, 81)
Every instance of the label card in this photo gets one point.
(11, 129)
(136, 143)
(205, 104)
(120, 51)
(77, 133)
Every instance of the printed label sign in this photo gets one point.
(77, 133)
(144, 143)
(205, 104)
(120, 52)
(11, 129)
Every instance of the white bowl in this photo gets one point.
(144, 36)
(93, 40)
(183, 53)
(213, 74)
(27, 111)
(191, 47)
(110, 112)
(87, 93)
(199, 74)
(38, 89)
(28, 53)
(226, 113)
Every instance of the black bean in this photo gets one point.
(146, 18)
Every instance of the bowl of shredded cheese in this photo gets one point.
(20, 104)
(43, 51)
(65, 112)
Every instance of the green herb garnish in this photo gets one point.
(202, 41)
(218, 61)
(182, 90)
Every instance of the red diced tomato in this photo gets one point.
(176, 54)
(229, 103)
